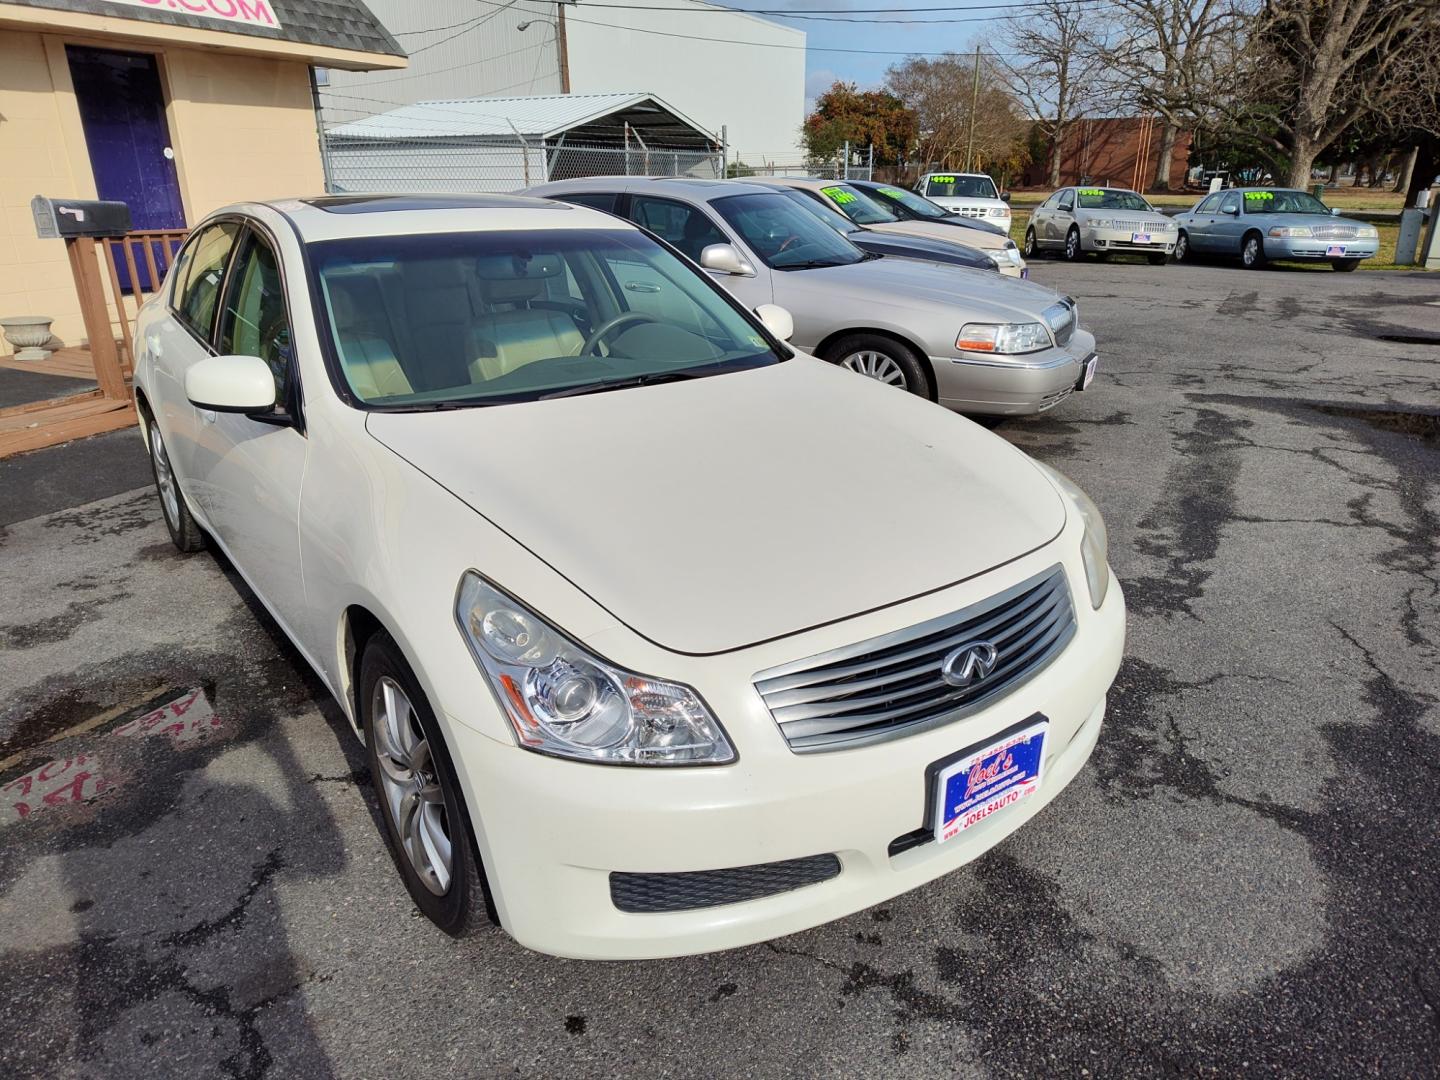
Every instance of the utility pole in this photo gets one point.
(564, 47)
(974, 105)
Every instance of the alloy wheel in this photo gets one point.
(1072, 245)
(1250, 253)
(411, 786)
(1029, 243)
(876, 365)
(164, 477)
(1182, 247)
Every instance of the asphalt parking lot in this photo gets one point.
(1245, 880)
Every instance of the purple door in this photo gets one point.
(122, 111)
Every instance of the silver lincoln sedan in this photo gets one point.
(975, 341)
(1259, 224)
(1106, 221)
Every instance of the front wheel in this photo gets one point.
(426, 825)
(1252, 252)
(882, 359)
(1072, 245)
(1345, 265)
(1182, 248)
(185, 532)
(1029, 249)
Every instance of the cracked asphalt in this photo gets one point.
(1244, 881)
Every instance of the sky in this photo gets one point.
(889, 33)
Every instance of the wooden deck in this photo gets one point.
(38, 424)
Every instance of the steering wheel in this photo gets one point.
(610, 326)
(791, 239)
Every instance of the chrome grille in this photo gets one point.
(1129, 225)
(892, 685)
(1061, 320)
(1334, 232)
(971, 211)
(1050, 400)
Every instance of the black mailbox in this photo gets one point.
(79, 217)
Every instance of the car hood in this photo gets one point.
(726, 511)
(983, 239)
(980, 295)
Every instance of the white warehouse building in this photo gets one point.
(720, 68)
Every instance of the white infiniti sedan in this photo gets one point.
(662, 636)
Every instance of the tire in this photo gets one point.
(1072, 245)
(419, 795)
(1030, 246)
(1158, 260)
(883, 359)
(1345, 265)
(1182, 247)
(1252, 252)
(185, 532)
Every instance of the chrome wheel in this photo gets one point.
(164, 477)
(1072, 245)
(411, 786)
(1250, 254)
(1182, 247)
(1029, 243)
(876, 365)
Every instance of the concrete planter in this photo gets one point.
(29, 334)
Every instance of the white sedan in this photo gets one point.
(662, 637)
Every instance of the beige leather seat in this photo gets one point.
(510, 333)
(368, 358)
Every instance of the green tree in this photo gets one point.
(864, 118)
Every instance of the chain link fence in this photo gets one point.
(471, 165)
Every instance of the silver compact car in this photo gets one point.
(1259, 224)
(975, 341)
(1105, 221)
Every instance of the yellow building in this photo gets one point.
(175, 107)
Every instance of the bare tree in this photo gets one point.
(939, 91)
(1172, 57)
(1323, 66)
(1051, 64)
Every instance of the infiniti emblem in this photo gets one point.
(970, 663)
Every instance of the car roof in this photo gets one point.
(693, 188)
(330, 217)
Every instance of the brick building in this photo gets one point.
(1122, 151)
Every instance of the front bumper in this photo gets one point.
(551, 832)
(1092, 239)
(1300, 247)
(1012, 386)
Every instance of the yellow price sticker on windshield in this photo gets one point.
(1092, 191)
(942, 179)
(892, 193)
(839, 194)
(1258, 195)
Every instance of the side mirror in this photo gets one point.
(235, 384)
(1335, 211)
(724, 259)
(1233, 211)
(777, 320)
(1005, 197)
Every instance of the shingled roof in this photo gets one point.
(334, 24)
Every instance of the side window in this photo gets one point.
(1230, 204)
(686, 227)
(1052, 202)
(600, 200)
(1067, 200)
(1207, 205)
(198, 290)
(254, 321)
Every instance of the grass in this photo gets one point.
(1384, 257)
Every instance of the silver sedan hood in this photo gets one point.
(722, 512)
(981, 295)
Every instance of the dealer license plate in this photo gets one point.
(1335, 249)
(989, 781)
(1140, 238)
(1087, 373)
(1025, 272)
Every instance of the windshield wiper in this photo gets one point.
(812, 264)
(599, 386)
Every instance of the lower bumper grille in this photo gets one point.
(649, 893)
(922, 676)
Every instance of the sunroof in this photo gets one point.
(378, 204)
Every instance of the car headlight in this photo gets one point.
(999, 211)
(564, 700)
(1100, 223)
(1367, 232)
(1003, 337)
(1283, 231)
(1094, 542)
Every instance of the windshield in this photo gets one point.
(858, 206)
(1106, 199)
(961, 187)
(839, 222)
(1283, 202)
(481, 318)
(783, 235)
(917, 205)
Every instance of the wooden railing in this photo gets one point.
(137, 263)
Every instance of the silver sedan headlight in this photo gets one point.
(564, 700)
(1005, 338)
(1367, 232)
(1290, 231)
(1100, 223)
(1095, 543)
